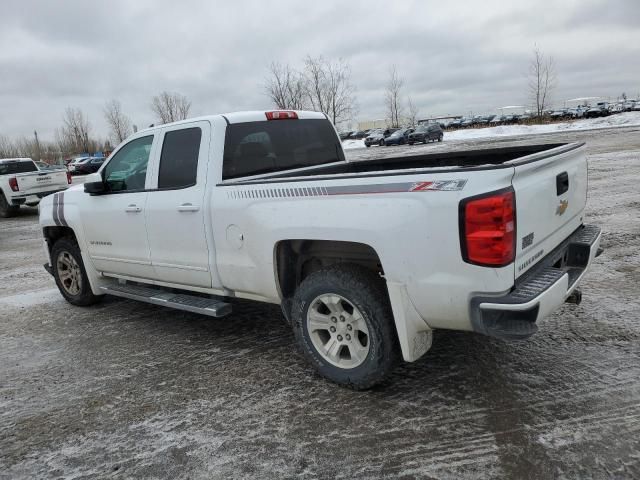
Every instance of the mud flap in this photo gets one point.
(414, 334)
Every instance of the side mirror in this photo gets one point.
(94, 185)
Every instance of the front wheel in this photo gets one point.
(343, 323)
(70, 274)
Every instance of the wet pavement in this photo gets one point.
(123, 389)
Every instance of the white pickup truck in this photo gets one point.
(23, 183)
(366, 258)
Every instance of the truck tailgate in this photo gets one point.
(41, 181)
(551, 193)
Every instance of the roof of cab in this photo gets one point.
(240, 117)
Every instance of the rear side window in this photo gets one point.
(253, 148)
(179, 158)
(10, 168)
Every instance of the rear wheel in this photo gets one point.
(343, 323)
(70, 274)
(7, 210)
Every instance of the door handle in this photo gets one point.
(188, 207)
(133, 208)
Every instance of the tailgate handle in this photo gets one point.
(562, 183)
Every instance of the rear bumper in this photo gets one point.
(539, 292)
(33, 198)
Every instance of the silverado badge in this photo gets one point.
(562, 207)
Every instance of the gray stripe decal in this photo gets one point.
(323, 191)
(56, 220)
(61, 211)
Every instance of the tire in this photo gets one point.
(425, 139)
(440, 137)
(361, 296)
(70, 274)
(7, 210)
(381, 143)
(410, 143)
(402, 141)
(367, 145)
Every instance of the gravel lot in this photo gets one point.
(126, 390)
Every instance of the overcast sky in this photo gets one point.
(455, 57)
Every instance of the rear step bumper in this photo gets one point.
(514, 316)
(180, 301)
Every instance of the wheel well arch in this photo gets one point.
(53, 234)
(296, 259)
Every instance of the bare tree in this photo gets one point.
(119, 123)
(286, 87)
(412, 112)
(329, 88)
(8, 148)
(170, 107)
(392, 97)
(542, 79)
(74, 133)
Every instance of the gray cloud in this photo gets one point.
(455, 57)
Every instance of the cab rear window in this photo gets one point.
(254, 148)
(9, 168)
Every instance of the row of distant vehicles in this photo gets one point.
(423, 133)
(75, 166)
(381, 136)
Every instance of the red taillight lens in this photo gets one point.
(281, 115)
(13, 184)
(489, 229)
(68, 178)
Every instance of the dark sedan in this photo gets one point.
(399, 137)
(426, 133)
(90, 166)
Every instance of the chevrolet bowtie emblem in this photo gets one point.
(562, 207)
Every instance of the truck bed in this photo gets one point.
(443, 161)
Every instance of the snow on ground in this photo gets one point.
(621, 119)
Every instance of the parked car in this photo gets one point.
(377, 137)
(426, 133)
(399, 137)
(89, 166)
(360, 134)
(366, 259)
(43, 166)
(560, 114)
(497, 120)
(600, 110)
(345, 135)
(74, 166)
(466, 122)
(457, 123)
(23, 183)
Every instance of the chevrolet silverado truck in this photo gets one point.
(23, 183)
(365, 258)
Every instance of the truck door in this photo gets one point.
(176, 207)
(114, 222)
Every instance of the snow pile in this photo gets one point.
(619, 120)
(348, 144)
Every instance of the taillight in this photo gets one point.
(281, 115)
(488, 229)
(13, 184)
(69, 178)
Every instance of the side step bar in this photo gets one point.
(179, 301)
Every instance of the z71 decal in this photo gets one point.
(284, 192)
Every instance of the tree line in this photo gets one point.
(75, 134)
(319, 84)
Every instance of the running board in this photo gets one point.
(179, 301)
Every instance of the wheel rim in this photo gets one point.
(338, 331)
(69, 273)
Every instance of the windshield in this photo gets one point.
(421, 129)
(253, 148)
